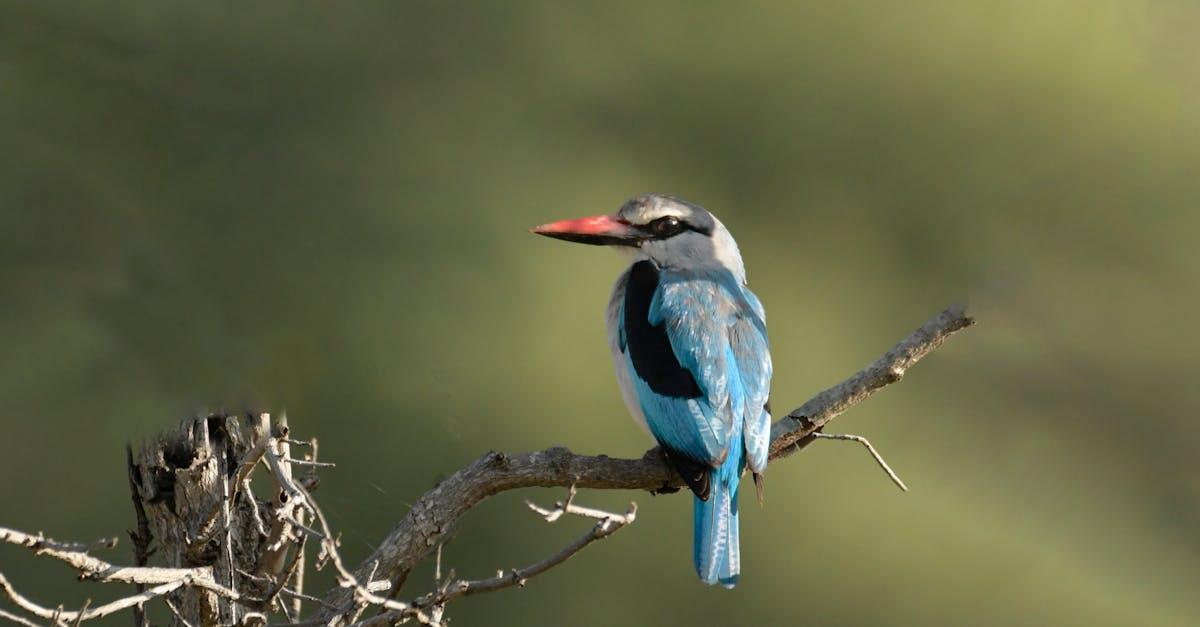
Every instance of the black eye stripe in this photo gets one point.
(669, 224)
(666, 226)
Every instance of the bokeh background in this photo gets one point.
(322, 207)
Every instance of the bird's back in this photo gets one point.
(691, 357)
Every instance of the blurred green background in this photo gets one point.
(322, 207)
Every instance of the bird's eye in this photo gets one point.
(666, 226)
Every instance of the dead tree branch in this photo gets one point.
(231, 558)
(99, 570)
(422, 530)
(433, 605)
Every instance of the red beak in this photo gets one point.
(601, 230)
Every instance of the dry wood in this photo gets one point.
(230, 558)
(432, 516)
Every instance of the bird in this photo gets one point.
(689, 342)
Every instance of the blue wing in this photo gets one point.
(751, 350)
(696, 345)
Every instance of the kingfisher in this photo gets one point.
(689, 342)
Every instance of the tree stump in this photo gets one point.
(193, 499)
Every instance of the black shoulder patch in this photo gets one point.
(649, 347)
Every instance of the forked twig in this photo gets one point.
(607, 523)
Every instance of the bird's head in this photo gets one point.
(669, 231)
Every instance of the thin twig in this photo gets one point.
(174, 610)
(281, 581)
(304, 462)
(287, 612)
(288, 592)
(874, 453)
(82, 612)
(99, 570)
(255, 515)
(228, 524)
(364, 594)
(568, 507)
(607, 524)
(59, 617)
(20, 620)
(309, 482)
(437, 566)
(39, 542)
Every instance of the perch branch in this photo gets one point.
(423, 529)
(798, 425)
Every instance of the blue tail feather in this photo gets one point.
(715, 541)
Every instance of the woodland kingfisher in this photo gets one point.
(689, 342)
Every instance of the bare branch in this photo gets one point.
(289, 499)
(790, 430)
(99, 570)
(431, 517)
(40, 543)
(20, 620)
(569, 507)
(216, 467)
(294, 563)
(363, 594)
(607, 524)
(61, 617)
